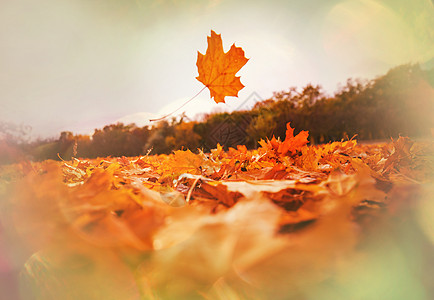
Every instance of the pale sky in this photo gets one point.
(81, 64)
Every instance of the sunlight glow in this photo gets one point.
(366, 28)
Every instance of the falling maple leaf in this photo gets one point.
(217, 69)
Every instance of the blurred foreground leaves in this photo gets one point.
(333, 221)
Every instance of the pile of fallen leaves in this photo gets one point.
(284, 221)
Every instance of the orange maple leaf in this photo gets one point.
(293, 143)
(217, 69)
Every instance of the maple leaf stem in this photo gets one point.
(188, 101)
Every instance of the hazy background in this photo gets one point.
(80, 64)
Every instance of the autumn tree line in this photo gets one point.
(400, 102)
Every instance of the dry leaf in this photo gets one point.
(122, 227)
(217, 69)
(293, 143)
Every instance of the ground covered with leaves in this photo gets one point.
(285, 221)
